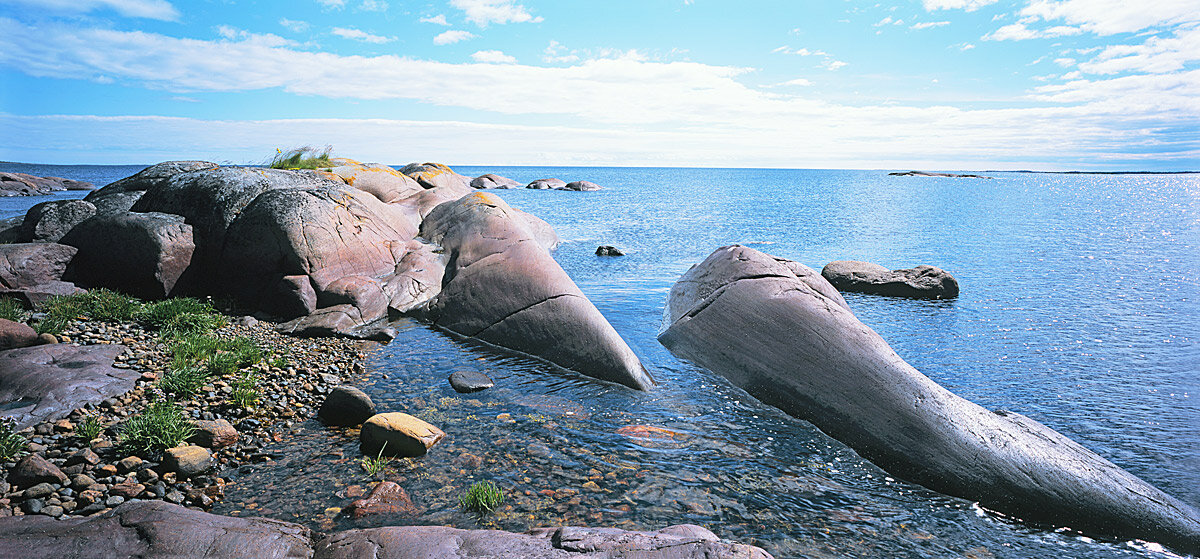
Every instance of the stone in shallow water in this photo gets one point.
(398, 434)
(470, 381)
(608, 250)
(387, 497)
(346, 405)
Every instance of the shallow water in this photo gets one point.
(1080, 295)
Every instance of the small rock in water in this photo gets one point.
(608, 250)
(398, 434)
(470, 381)
(387, 497)
(346, 405)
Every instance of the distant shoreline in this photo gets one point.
(669, 167)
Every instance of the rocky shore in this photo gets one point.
(21, 184)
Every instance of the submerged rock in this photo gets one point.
(581, 186)
(923, 282)
(607, 250)
(504, 288)
(386, 498)
(470, 381)
(745, 315)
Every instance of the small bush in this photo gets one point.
(190, 323)
(161, 426)
(12, 444)
(306, 157)
(185, 381)
(484, 496)
(51, 324)
(90, 428)
(12, 309)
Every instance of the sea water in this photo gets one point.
(1079, 308)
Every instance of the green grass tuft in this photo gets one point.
(12, 444)
(245, 391)
(158, 314)
(185, 381)
(375, 465)
(12, 309)
(90, 428)
(161, 426)
(484, 496)
(306, 157)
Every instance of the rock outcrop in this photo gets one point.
(143, 254)
(21, 184)
(546, 184)
(398, 434)
(435, 175)
(46, 382)
(781, 336)
(32, 272)
(502, 287)
(581, 186)
(49, 221)
(494, 181)
(921, 282)
(928, 174)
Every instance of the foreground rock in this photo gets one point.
(152, 530)
(921, 282)
(21, 184)
(398, 434)
(504, 288)
(32, 272)
(47, 382)
(143, 254)
(345, 406)
(750, 317)
(437, 542)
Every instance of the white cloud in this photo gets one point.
(332, 4)
(965, 46)
(968, 5)
(373, 6)
(835, 64)
(797, 82)
(492, 57)
(800, 51)
(556, 53)
(439, 19)
(929, 24)
(1019, 32)
(484, 12)
(293, 25)
(1108, 17)
(684, 113)
(1065, 62)
(889, 21)
(360, 35)
(149, 9)
(452, 36)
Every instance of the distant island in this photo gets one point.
(927, 174)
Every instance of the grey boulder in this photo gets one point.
(470, 381)
(581, 186)
(153, 530)
(546, 184)
(438, 542)
(149, 177)
(346, 405)
(502, 287)
(494, 181)
(142, 254)
(922, 282)
(49, 221)
(749, 317)
(46, 382)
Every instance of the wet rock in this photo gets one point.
(187, 461)
(507, 291)
(142, 254)
(544, 184)
(16, 334)
(607, 250)
(214, 434)
(346, 405)
(403, 435)
(581, 186)
(437, 542)
(493, 181)
(32, 470)
(49, 221)
(46, 382)
(924, 282)
(470, 381)
(386, 498)
(153, 530)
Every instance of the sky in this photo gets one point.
(925, 84)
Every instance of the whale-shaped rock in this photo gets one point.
(751, 318)
(502, 286)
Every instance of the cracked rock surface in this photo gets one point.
(46, 382)
(786, 339)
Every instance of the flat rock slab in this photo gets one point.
(152, 530)
(47, 382)
(921, 282)
(437, 542)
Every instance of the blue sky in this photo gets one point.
(938, 84)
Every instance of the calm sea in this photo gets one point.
(1080, 308)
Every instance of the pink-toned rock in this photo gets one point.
(386, 498)
(142, 254)
(398, 434)
(16, 334)
(214, 434)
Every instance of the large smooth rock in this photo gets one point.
(22, 184)
(339, 237)
(29, 264)
(149, 177)
(439, 542)
(153, 530)
(214, 434)
(142, 254)
(504, 288)
(46, 382)
(582, 186)
(747, 316)
(493, 181)
(345, 321)
(211, 198)
(924, 282)
(49, 221)
(546, 184)
(380, 181)
(187, 461)
(470, 381)
(436, 175)
(398, 434)
(346, 405)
